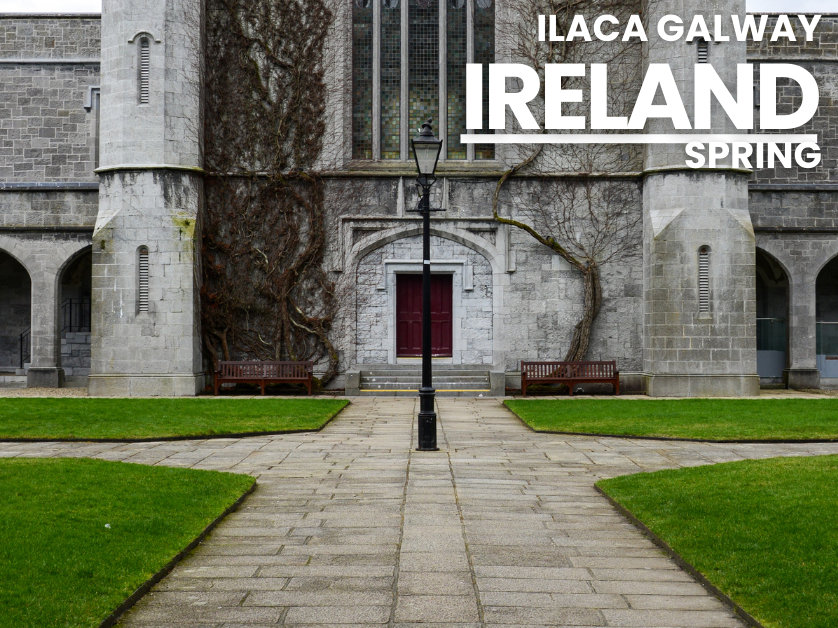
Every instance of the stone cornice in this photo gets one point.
(135, 167)
(78, 61)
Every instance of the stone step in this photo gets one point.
(474, 379)
(418, 373)
(12, 380)
(414, 393)
(484, 385)
(417, 366)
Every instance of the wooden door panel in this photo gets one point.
(409, 315)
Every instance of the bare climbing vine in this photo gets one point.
(586, 207)
(265, 293)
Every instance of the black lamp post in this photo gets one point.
(426, 149)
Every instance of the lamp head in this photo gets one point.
(426, 149)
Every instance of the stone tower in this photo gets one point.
(698, 246)
(145, 319)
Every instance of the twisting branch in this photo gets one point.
(593, 217)
(266, 294)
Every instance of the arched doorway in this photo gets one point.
(15, 318)
(826, 317)
(388, 291)
(74, 317)
(772, 286)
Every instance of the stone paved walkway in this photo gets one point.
(351, 527)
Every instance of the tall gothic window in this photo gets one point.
(410, 56)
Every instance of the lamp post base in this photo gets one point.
(427, 420)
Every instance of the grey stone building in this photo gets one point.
(101, 193)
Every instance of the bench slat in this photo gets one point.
(258, 372)
(571, 373)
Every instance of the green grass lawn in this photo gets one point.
(42, 418)
(77, 536)
(763, 531)
(705, 419)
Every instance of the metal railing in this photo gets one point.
(75, 315)
(25, 346)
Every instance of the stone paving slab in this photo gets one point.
(351, 527)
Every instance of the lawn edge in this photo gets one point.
(683, 564)
(759, 441)
(146, 586)
(166, 439)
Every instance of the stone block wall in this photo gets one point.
(49, 37)
(820, 58)
(75, 354)
(157, 352)
(794, 209)
(45, 132)
(43, 208)
(167, 129)
(682, 342)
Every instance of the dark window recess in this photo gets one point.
(703, 51)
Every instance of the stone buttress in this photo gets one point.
(146, 279)
(698, 244)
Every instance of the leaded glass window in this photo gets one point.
(409, 57)
(362, 79)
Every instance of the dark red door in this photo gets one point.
(409, 315)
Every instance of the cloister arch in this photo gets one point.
(772, 309)
(74, 298)
(15, 314)
(45, 257)
(826, 321)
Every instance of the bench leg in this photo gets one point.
(570, 388)
(262, 384)
(524, 386)
(308, 385)
(617, 387)
(215, 383)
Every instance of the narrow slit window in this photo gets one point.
(142, 296)
(703, 51)
(704, 280)
(145, 69)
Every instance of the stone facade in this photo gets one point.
(79, 179)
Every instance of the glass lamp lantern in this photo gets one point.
(426, 150)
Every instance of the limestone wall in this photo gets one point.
(45, 130)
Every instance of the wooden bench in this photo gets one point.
(570, 373)
(264, 373)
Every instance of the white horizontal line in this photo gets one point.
(630, 138)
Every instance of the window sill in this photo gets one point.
(398, 168)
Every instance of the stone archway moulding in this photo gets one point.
(495, 257)
(10, 246)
